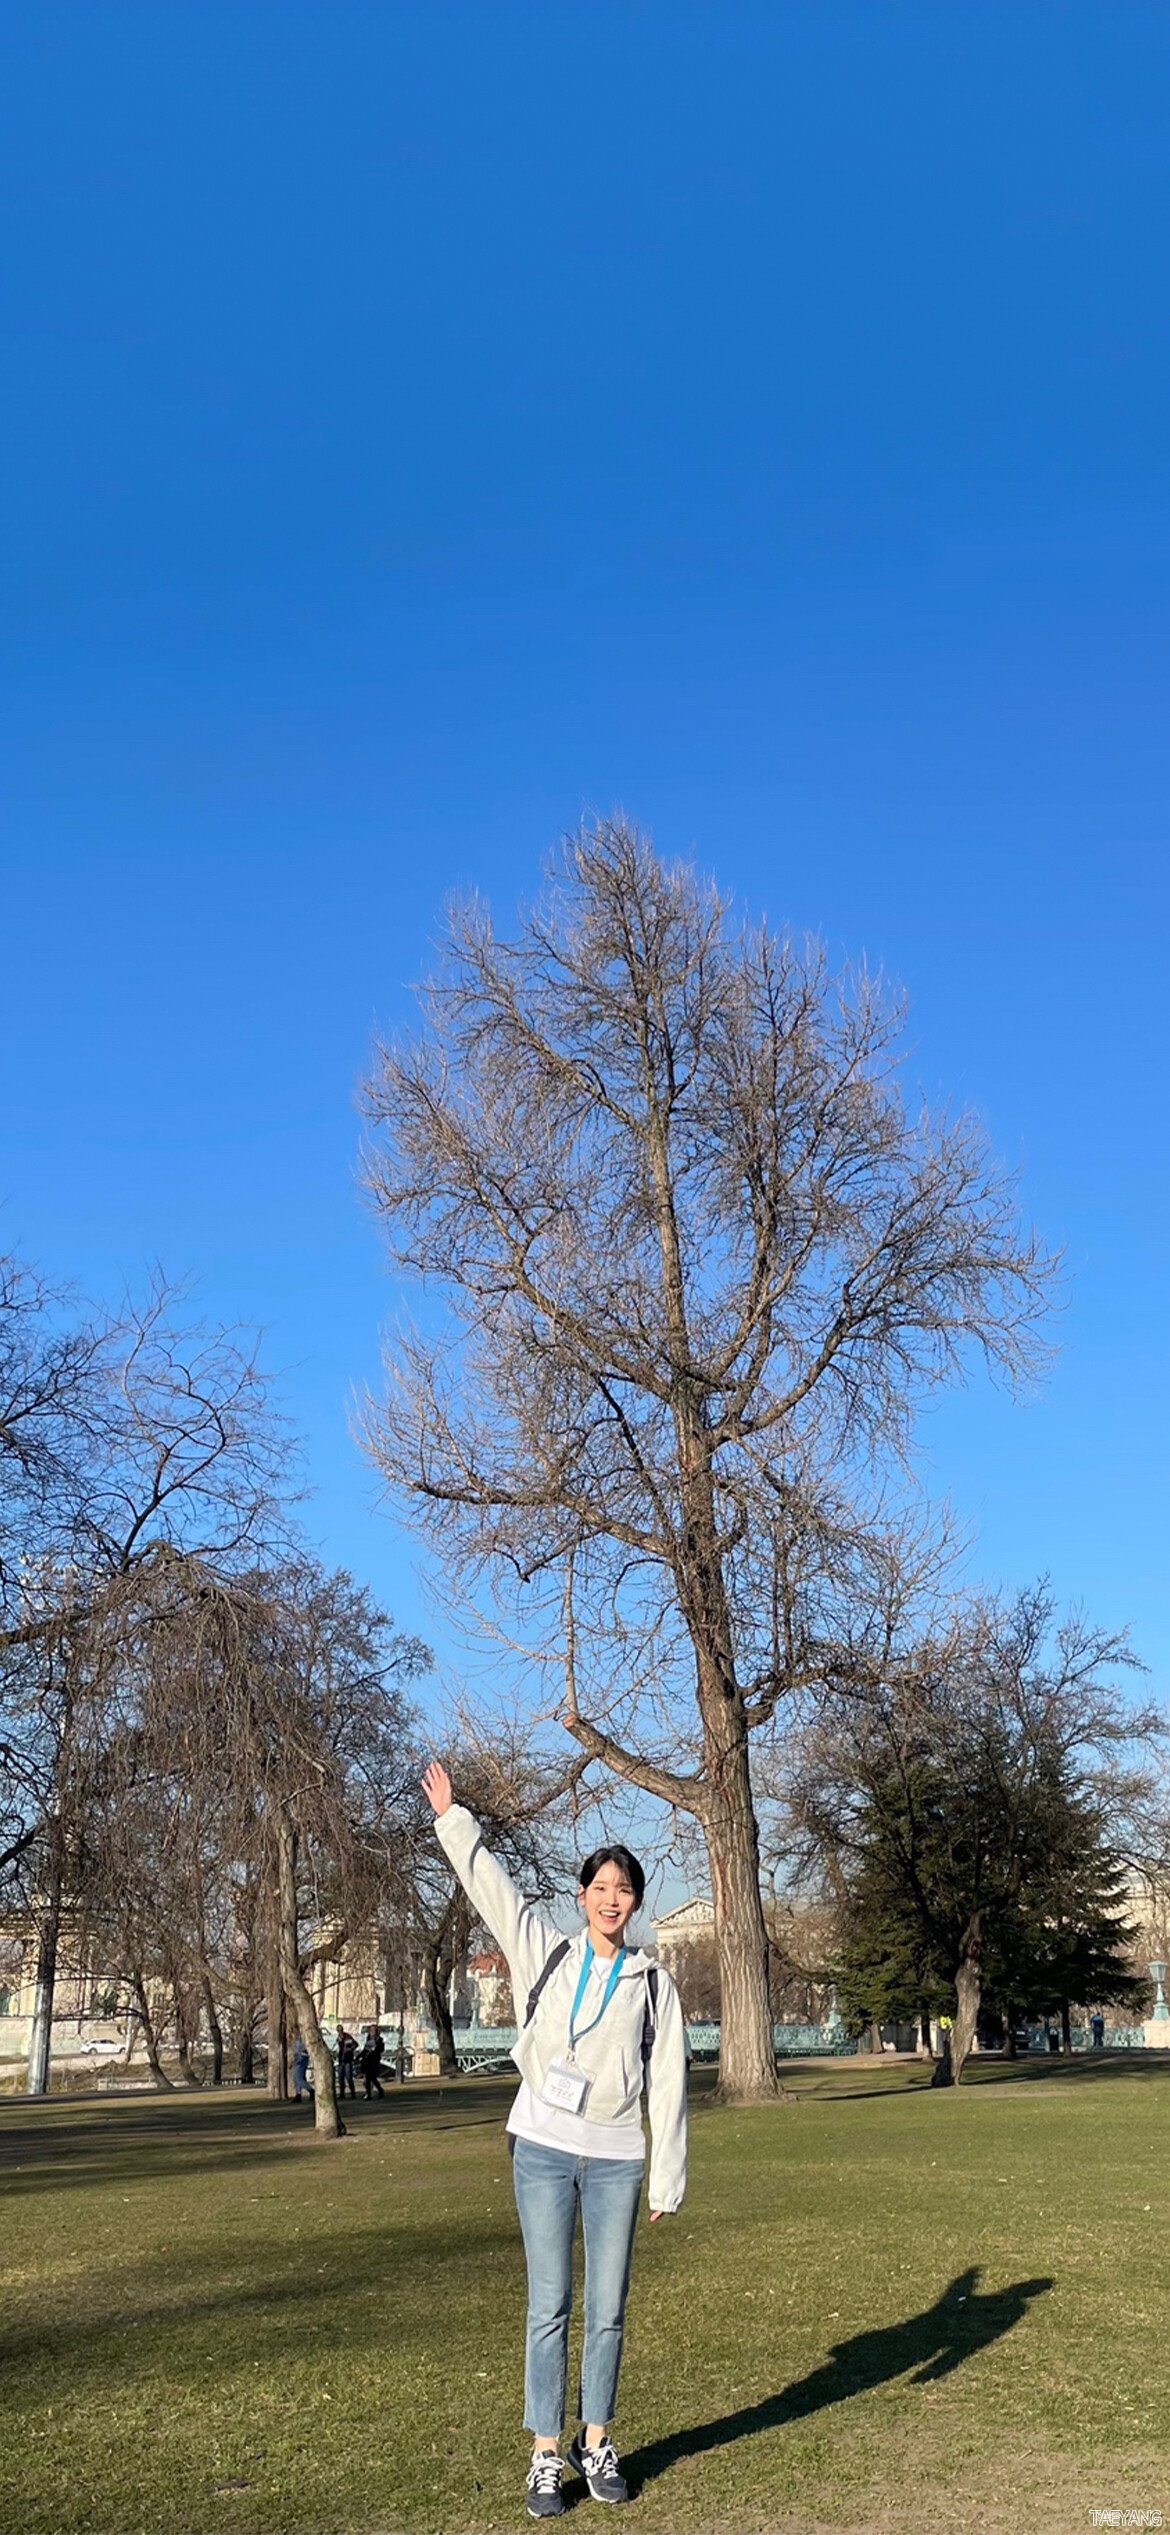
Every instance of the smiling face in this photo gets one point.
(609, 1903)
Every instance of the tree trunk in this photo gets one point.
(214, 2027)
(1066, 2023)
(149, 2036)
(968, 1994)
(327, 2120)
(246, 1995)
(40, 2047)
(747, 2058)
(276, 2028)
(41, 2035)
(435, 1986)
(1012, 2014)
(925, 2051)
(183, 2035)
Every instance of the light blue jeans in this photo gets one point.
(550, 2186)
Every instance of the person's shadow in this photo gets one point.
(933, 2344)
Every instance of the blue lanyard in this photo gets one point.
(583, 1985)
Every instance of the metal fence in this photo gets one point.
(790, 2041)
(482, 2050)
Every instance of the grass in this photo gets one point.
(879, 2307)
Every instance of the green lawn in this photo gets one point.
(879, 2307)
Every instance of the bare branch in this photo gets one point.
(688, 1793)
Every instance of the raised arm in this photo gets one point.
(522, 1934)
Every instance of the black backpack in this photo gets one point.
(649, 2021)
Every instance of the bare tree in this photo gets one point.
(157, 1881)
(201, 1735)
(131, 1446)
(53, 1675)
(127, 1889)
(279, 1699)
(194, 1456)
(697, 1258)
(54, 1376)
(54, 1380)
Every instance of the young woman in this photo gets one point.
(597, 2023)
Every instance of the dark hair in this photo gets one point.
(615, 1856)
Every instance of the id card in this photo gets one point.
(565, 2086)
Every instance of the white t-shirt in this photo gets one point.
(550, 2127)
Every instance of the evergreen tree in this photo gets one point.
(968, 1831)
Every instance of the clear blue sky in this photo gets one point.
(423, 423)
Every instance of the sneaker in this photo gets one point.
(601, 2469)
(545, 2476)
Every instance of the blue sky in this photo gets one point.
(422, 424)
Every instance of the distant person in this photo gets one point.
(346, 2055)
(372, 2055)
(300, 2069)
(944, 2067)
(600, 2023)
(1097, 2028)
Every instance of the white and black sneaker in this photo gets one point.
(545, 2476)
(601, 2469)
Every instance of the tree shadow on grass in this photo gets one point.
(1079, 2068)
(905, 2082)
(94, 2140)
(932, 2344)
(188, 2313)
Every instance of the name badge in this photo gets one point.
(565, 2087)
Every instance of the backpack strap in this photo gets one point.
(650, 2017)
(557, 1956)
(649, 2021)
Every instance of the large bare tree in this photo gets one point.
(688, 1258)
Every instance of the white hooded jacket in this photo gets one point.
(611, 2055)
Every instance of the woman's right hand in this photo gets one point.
(436, 1786)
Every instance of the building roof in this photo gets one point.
(696, 1917)
(697, 1913)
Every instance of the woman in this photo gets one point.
(597, 2022)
